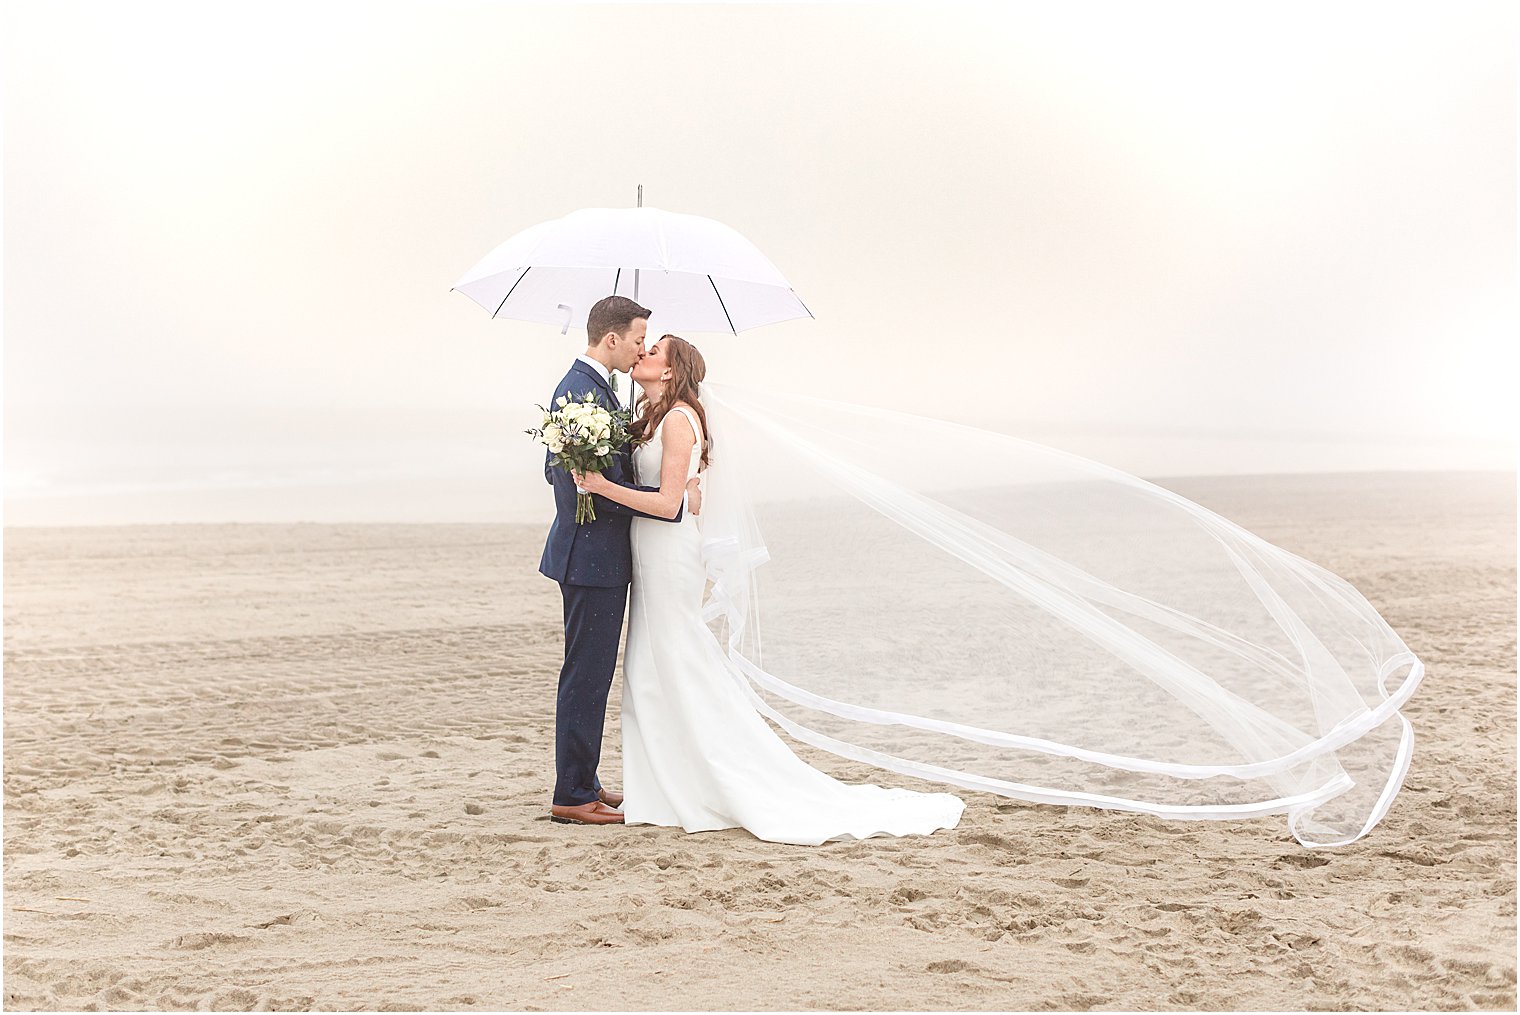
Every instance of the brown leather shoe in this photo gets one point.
(594, 813)
(610, 797)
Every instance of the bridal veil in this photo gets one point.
(979, 610)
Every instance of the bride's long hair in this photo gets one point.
(687, 370)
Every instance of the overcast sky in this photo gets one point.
(1176, 237)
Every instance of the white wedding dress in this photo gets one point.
(696, 753)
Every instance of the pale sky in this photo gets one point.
(1179, 238)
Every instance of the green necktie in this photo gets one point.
(612, 381)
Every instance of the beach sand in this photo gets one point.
(295, 766)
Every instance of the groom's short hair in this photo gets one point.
(614, 313)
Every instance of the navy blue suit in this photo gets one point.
(593, 563)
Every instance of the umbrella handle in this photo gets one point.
(569, 314)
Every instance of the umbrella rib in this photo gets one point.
(511, 291)
(803, 305)
(722, 304)
(615, 280)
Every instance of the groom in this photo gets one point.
(593, 564)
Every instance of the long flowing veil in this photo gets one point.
(979, 610)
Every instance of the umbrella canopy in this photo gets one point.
(693, 273)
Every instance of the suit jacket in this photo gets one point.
(595, 553)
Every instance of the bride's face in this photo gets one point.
(652, 369)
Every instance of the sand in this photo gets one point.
(298, 766)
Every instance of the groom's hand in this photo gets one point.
(694, 495)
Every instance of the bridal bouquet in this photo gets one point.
(583, 436)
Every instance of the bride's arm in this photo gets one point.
(678, 436)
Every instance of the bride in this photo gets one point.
(696, 753)
(969, 608)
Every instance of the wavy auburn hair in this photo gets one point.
(687, 369)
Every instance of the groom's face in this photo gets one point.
(628, 349)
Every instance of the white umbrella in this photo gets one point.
(693, 273)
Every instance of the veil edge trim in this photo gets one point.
(1340, 735)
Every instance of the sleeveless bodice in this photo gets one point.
(648, 457)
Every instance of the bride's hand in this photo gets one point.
(591, 482)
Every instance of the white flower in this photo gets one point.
(579, 428)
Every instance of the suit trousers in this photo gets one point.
(593, 629)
